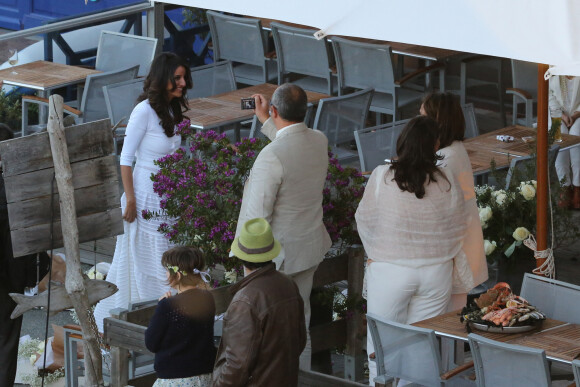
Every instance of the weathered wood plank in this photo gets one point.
(331, 270)
(316, 379)
(37, 183)
(95, 226)
(328, 336)
(31, 153)
(126, 335)
(89, 200)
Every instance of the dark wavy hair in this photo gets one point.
(445, 108)
(416, 165)
(155, 90)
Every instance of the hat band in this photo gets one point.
(260, 250)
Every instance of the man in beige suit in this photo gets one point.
(285, 187)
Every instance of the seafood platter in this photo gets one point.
(499, 310)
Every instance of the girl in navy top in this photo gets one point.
(180, 332)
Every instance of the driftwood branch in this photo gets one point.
(74, 279)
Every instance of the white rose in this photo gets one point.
(100, 276)
(534, 183)
(32, 359)
(528, 191)
(489, 247)
(40, 347)
(485, 214)
(520, 233)
(500, 197)
(230, 276)
(91, 273)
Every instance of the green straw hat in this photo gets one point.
(256, 242)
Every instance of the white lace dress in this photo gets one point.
(136, 267)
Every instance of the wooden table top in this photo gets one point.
(224, 109)
(482, 149)
(560, 340)
(42, 75)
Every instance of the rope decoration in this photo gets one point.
(547, 269)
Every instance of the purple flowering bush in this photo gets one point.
(342, 192)
(201, 190)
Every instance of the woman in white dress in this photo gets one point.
(150, 135)
(445, 108)
(411, 222)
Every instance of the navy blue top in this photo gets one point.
(180, 334)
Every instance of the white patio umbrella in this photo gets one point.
(540, 31)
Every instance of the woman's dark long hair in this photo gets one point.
(445, 108)
(416, 164)
(155, 90)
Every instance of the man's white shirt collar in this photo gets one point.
(284, 129)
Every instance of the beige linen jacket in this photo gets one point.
(285, 187)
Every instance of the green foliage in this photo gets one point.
(194, 16)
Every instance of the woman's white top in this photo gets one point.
(145, 138)
(397, 227)
(564, 95)
(458, 167)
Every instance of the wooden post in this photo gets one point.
(74, 283)
(353, 356)
(542, 165)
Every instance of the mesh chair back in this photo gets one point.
(377, 144)
(298, 51)
(406, 352)
(117, 51)
(237, 39)
(558, 300)
(339, 117)
(471, 129)
(121, 98)
(93, 103)
(212, 79)
(576, 369)
(524, 168)
(496, 363)
(525, 77)
(364, 65)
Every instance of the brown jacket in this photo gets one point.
(263, 333)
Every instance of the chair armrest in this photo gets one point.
(39, 100)
(519, 92)
(421, 71)
(456, 371)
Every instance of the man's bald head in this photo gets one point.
(290, 101)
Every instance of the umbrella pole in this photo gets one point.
(542, 165)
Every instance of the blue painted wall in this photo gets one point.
(21, 14)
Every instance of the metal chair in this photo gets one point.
(410, 353)
(120, 99)
(241, 40)
(117, 50)
(92, 106)
(339, 117)
(377, 144)
(524, 90)
(471, 129)
(299, 52)
(576, 369)
(212, 79)
(364, 65)
(558, 300)
(525, 167)
(500, 364)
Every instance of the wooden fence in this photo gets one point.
(125, 331)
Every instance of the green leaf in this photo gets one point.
(510, 250)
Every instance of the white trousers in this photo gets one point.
(406, 295)
(303, 280)
(569, 158)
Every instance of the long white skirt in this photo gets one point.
(136, 267)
